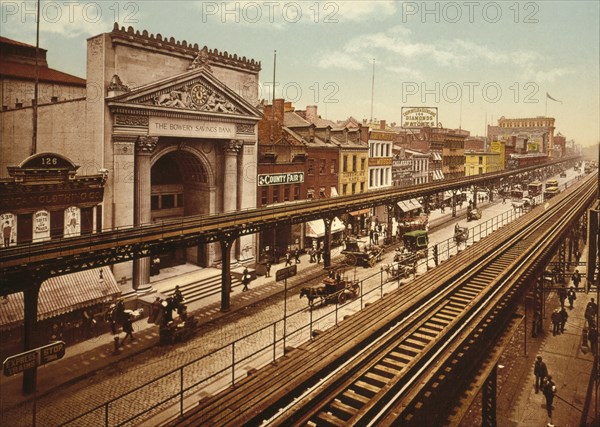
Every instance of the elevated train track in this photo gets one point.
(403, 359)
(61, 256)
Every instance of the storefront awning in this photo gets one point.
(409, 205)
(316, 228)
(334, 192)
(436, 156)
(365, 211)
(63, 294)
(438, 175)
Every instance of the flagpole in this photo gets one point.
(372, 90)
(546, 112)
(36, 84)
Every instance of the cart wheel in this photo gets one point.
(342, 297)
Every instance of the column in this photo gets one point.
(30, 341)
(327, 243)
(144, 147)
(230, 150)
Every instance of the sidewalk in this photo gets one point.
(569, 362)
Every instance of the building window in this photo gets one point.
(363, 163)
(332, 167)
(310, 194)
(296, 191)
(311, 166)
(154, 203)
(362, 187)
(286, 193)
(354, 163)
(322, 163)
(344, 189)
(264, 196)
(276, 194)
(168, 201)
(345, 163)
(354, 188)
(322, 193)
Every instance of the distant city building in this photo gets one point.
(480, 162)
(527, 134)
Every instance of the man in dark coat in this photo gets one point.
(549, 391)
(576, 278)
(540, 371)
(128, 328)
(556, 318)
(245, 279)
(563, 319)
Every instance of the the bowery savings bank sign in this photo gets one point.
(281, 178)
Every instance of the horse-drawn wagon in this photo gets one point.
(357, 254)
(461, 235)
(333, 290)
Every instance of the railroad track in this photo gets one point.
(403, 354)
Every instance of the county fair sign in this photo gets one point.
(281, 178)
(419, 117)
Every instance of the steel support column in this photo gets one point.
(453, 203)
(538, 307)
(226, 244)
(30, 339)
(390, 214)
(474, 196)
(426, 201)
(327, 243)
(488, 397)
(562, 261)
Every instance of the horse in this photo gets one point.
(313, 293)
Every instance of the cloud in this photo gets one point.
(359, 10)
(342, 60)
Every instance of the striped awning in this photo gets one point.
(62, 294)
(438, 175)
(409, 205)
(316, 228)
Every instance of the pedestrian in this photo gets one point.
(576, 278)
(128, 328)
(562, 295)
(571, 296)
(593, 338)
(311, 254)
(577, 256)
(297, 256)
(549, 391)
(540, 371)
(590, 313)
(178, 296)
(6, 233)
(288, 258)
(376, 238)
(371, 235)
(319, 256)
(245, 279)
(268, 269)
(555, 317)
(563, 319)
(155, 311)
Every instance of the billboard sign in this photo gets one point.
(419, 117)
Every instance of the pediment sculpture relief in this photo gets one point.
(196, 96)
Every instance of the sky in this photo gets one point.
(474, 61)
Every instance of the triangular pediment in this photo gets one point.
(196, 91)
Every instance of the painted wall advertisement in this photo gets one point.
(72, 222)
(41, 226)
(419, 117)
(8, 223)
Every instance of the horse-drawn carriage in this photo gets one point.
(473, 214)
(333, 290)
(416, 242)
(461, 235)
(367, 255)
(405, 264)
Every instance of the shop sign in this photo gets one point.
(33, 358)
(41, 226)
(419, 117)
(72, 222)
(280, 178)
(39, 196)
(161, 126)
(8, 223)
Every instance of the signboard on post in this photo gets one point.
(33, 358)
(285, 272)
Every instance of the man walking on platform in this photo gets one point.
(576, 278)
(540, 371)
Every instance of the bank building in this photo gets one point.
(166, 128)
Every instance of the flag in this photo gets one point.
(548, 96)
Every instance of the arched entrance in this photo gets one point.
(179, 187)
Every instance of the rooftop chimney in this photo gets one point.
(382, 125)
(311, 113)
